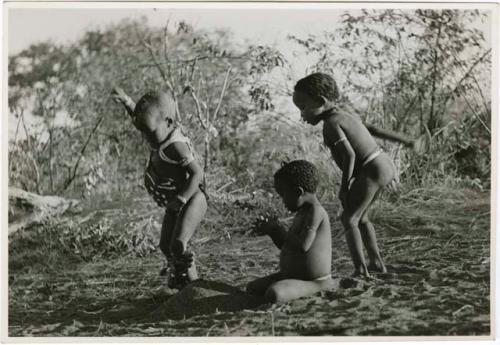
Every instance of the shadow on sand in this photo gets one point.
(204, 297)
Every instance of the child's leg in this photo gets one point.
(290, 289)
(370, 241)
(259, 286)
(187, 222)
(380, 171)
(359, 197)
(167, 231)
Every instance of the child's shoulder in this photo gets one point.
(317, 210)
(176, 148)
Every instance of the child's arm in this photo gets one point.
(120, 96)
(278, 234)
(305, 238)
(180, 152)
(343, 150)
(195, 176)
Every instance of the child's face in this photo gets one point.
(310, 108)
(154, 129)
(291, 196)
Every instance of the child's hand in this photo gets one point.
(175, 204)
(118, 95)
(265, 224)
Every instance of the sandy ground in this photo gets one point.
(81, 275)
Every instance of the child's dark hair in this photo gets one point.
(318, 84)
(299, 173)
(162, 101)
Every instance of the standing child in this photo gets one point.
(366, 169)
(306, 248)
(172, 178)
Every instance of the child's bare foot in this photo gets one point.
(361, 271)
(377, 266)
(180, 277)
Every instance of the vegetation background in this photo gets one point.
(94, 269)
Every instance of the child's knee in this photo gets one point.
(350, 220)
(364, 220)
(272, 295)
(275, 295)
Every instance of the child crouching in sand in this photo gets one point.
(366, 169)
(172, 177)
(306, 248)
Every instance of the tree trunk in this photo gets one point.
(433, 122)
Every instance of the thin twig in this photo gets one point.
(15, 136)
(80, 156)
(222, 93)
(192, 92)
(465, 76)
(198, 58)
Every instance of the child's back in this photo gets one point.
(316, 261)
(355, 132)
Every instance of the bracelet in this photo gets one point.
(182, 199)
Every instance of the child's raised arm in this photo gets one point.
(305, 238)
(120, 96)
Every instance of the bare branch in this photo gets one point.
(222, 93)
(465, 76)
(199, 58)
(80, 156)
(165, 41)
(198, 113)
(158, 65)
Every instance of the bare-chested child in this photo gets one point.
(306, 249)
(172, 177)
(366, 169)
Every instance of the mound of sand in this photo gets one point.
(206, 297)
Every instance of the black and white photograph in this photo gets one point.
(253, 171)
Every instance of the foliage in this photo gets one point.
(423, 72)
(102, 149)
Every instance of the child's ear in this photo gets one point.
(300, 191)
(324, 101)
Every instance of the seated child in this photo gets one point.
(306, 249)
(366, 169)
(172, 178)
